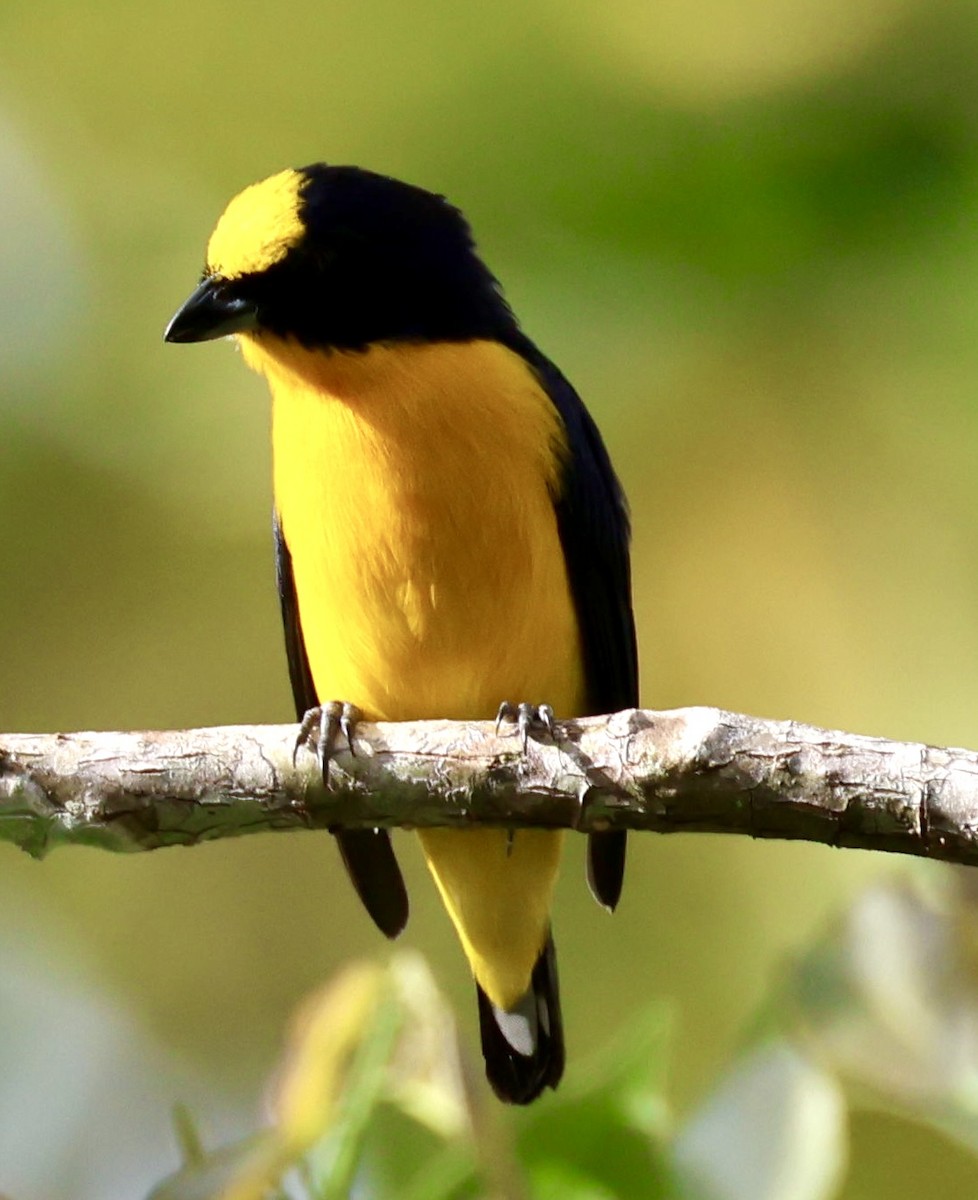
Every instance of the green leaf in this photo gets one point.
(601, 1134)
(336, 1159)
(560, 1181)
(188, 1136)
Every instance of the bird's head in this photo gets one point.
(342, 258)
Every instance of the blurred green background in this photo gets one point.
(745, 231)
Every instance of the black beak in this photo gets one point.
(211, 311)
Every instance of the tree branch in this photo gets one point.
(692, 769)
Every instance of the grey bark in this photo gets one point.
(686, 770)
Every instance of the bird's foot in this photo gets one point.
(530, 720)
(321, 729)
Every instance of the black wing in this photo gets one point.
(594, 528)
(367, 853)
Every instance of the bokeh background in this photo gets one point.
(746, 231)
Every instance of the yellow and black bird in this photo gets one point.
(450, 536)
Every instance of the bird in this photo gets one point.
(451, 539)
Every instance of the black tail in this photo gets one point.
(524, 1047)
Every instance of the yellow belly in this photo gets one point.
(414, 490)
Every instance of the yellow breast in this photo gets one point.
(414, 489)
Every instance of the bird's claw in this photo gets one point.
(322, 727)
(529, 719)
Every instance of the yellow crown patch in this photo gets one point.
(258, 227)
